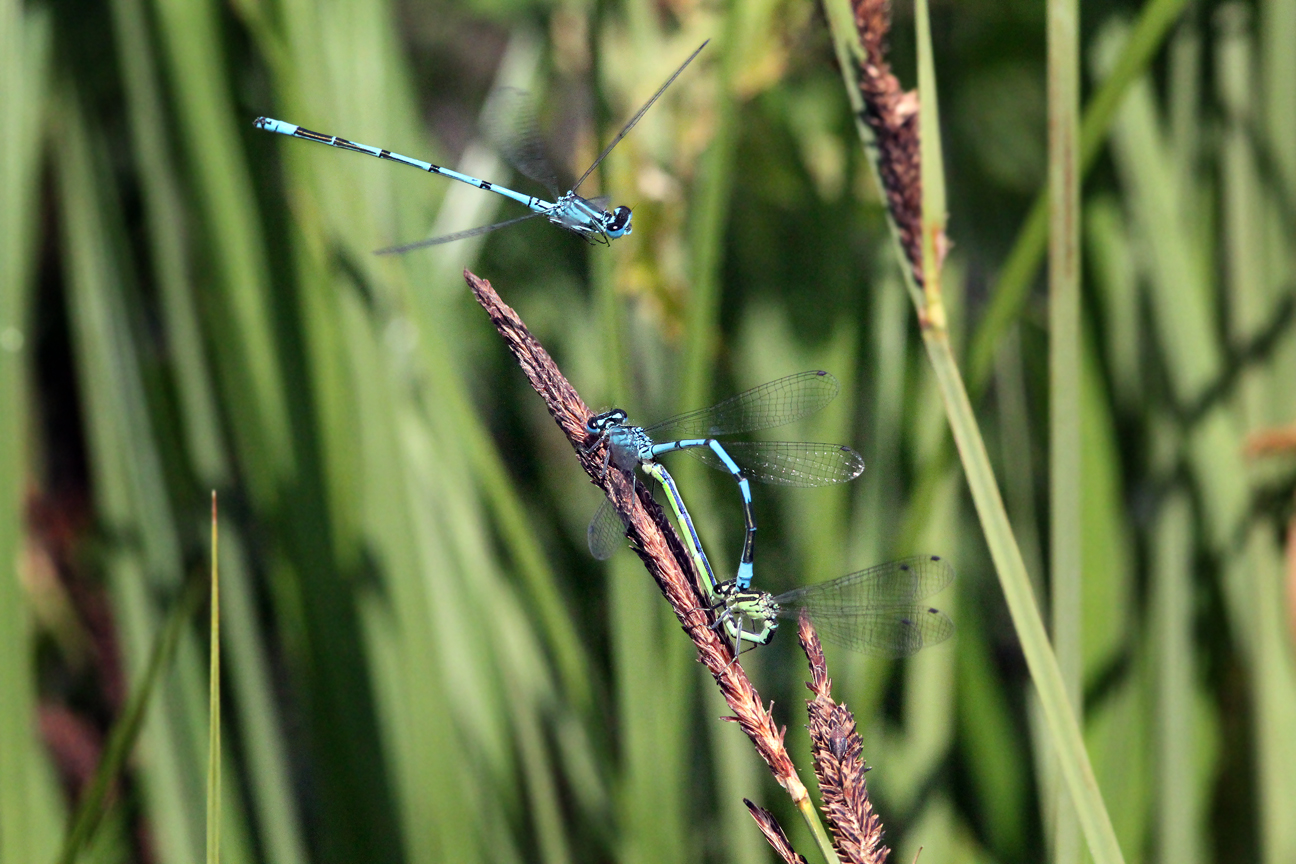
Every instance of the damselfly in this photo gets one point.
(587, 217)
(875, 611)
(779, 462)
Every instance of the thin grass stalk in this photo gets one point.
(1276, 34)
(1057, 708)
(200, 425)
(213, 701)
(1060, 718)
(1177, 832)
(1017, 275)
(1008, 297)
(1062, 724)
(1066, 597)
(653, 538)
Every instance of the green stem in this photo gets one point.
(822, 840)
(1009, 295)
(1061, 721)
(1064, 381)
(214, 716)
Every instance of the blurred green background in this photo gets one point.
(422, 662)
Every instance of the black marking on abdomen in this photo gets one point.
(347, 145)
(485, 185)
(434, 169)
(312, 136)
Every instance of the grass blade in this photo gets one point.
(1059, 717)
(1009, 294)
(1178, 806)
(214, 696)
(166, 218)
(24, 56)
(252, 364)
(1013, 578)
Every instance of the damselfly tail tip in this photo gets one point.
(272, 125)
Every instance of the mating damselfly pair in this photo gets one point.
(876, 611)
(589, 218)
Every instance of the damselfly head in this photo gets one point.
(618, 222)
(605, 421)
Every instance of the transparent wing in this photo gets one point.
(510, 126)
(886, 631)
(896, 583)
(788, 463)
(630, 124)
(765, 407)
(578, 217)
(601, 202)
(450, 238)
(605, 532)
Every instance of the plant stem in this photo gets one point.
(1064, 381)
(1018, 272)
(811, 817)
(214, 699)
(1062, 725)
(1059, 717)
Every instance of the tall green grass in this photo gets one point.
(29, 805)
(421, 661)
